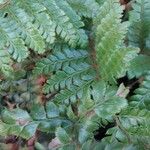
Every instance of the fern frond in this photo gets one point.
(134, 117)
(136, 122)
(86, 8)
(127, 124)
(22, 22)
(20, 123)
(72, 86)
(15, 45)
(5, 63)
(28, 32)
(73, 74)
(105, 145)
(112, 57)
(139, 66)
(140, 22)
(88, 112)
(106, 8)
(41, 19)
(62, 135)
(46, 27)
(140, 131)
(141, 99)
(68, 27)
(59, 59)
(104, 96)
(118, 140)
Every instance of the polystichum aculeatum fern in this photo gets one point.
(60, 62)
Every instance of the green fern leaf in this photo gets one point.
(46, 27)
(68, 27)
(71, 115)
(136, 122)
(128, 123)
(114, 105)
(52, 110)
(99, 103)
(20, 123)
(74, 93)
(41, 20)
(18, 50)
(133, 117)
(29, 33)
(112, 57)
(58, 60)
(140, 22)
(28, 131)
(5, 63)
(105, 9)
(86, 8)
(62, 135)
(73, 74)
(139, 66)
(141, 99)
(106, 103)
(14, 45)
